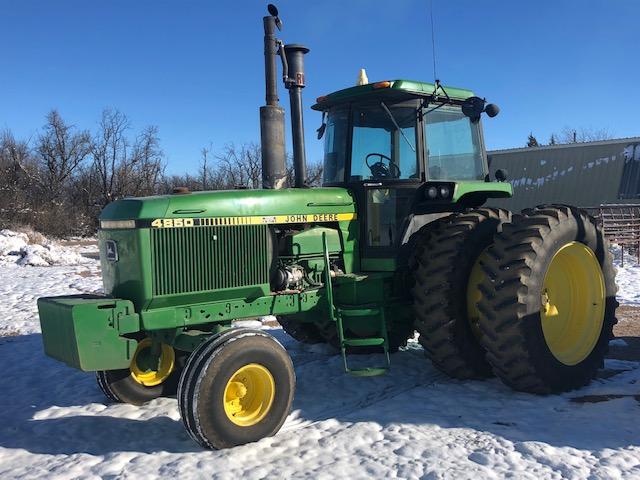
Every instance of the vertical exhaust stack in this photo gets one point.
(294, 82)
(272, 114)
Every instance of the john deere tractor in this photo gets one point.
(396, 240)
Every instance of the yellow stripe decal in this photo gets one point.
(254, 220)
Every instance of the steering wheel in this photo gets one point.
(379, 169)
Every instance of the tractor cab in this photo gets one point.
(408, 151)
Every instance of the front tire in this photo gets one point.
(548, 305)
(236, 388)
(135, 386)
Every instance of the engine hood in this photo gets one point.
(234, 203)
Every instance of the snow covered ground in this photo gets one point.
(413, 423)
(627, 277)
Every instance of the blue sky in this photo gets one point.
(195, 68)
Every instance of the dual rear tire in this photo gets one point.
(548, 301)
(445, 272)
(530, 298)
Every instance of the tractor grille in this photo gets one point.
(198, 259)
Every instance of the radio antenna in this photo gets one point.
(433, 41)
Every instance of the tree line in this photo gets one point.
(60, 180)
(571, 135)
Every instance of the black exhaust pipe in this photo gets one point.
(274, 172)
(295, 83)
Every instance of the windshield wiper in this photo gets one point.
(386, 109)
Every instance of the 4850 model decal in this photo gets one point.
(227, 221)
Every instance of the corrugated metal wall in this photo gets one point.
(583, 174)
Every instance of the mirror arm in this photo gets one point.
(323, 126)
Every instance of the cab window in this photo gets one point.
(453, 146)
(384, 141)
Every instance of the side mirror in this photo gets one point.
(323, 126)
(501, 174)
(492, 110)
(473, 107)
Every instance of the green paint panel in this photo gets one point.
(491, 189)
(309, 242)
(378, 264)
(360, 289)
(84, 331)
(202, 314)
(287, 201)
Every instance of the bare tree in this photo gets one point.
(18, 173)
(205, 166)
(582, 134)
(532, 141)
(60, 150)
(147, 165)
(314, 174)
(123, 167)
(238, 166)
(109, 151)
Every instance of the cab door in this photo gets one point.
(386, 169)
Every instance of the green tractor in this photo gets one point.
(396, 240)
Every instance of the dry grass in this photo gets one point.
(35, 238)
(9, 333)
(628, 321)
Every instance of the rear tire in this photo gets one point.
(220, 408)
(548, 332)
(442, 264)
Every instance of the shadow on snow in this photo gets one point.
(37, 388)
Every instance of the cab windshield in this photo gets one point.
(453, 145)
(383, 142)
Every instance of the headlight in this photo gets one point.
(444, 192)
(432, 192)
(114, 224)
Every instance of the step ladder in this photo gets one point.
(338, 313)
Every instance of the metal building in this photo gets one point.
(583, 174)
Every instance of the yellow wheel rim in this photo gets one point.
(155, 375)
(474, 295)
(249, 394)
(572, 303)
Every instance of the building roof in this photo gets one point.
(613, 141)
(584, 174)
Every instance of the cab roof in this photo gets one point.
(397, 88)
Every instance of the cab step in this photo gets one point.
(363, 342)
(337, 313)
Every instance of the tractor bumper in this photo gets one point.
(85, 331)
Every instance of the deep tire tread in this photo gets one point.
(512, 281)
(443, 256)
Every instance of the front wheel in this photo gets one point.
(548, 300)
(236, 388)
(142, 382)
